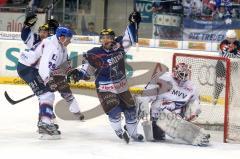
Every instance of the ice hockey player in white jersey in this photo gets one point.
(53, 68)
(172, 93)
(32, 39)
(54, 78)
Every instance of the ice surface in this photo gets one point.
(92, 139)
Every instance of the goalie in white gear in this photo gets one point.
(171, 92)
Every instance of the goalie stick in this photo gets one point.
(164, 88)
(143, 111)
(50, 9)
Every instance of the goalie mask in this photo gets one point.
(181, 71)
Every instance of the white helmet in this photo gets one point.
(231, 34)
(181, 71)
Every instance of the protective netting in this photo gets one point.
(210, 75)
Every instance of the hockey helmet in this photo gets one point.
(231, 34)
(181, 71)
(64, 31)
(43, 27)
(109, 32)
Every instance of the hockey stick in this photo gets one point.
(139, 117)
(143, 106)
(136, 25)
(50, 9)
(63, 69)
(10, 100)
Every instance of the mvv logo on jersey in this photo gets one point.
(179, 93)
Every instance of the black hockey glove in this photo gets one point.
(30, 20)
(52, 85)
(135, 17)
(53, 24)
(75, 75)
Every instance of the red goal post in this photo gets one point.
(216, 79)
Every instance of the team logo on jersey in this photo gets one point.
(179, 93)
(114, 59)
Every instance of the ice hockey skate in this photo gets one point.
(48, 131)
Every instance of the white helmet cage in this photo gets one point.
(182, 71)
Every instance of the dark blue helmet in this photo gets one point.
(63, 31)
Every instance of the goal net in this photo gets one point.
(217, 81)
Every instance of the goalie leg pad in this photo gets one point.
(142, 106)
(176, 127)
(148, 130)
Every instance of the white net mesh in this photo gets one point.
(209, 75)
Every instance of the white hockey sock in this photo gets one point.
(46, 120)
(74, 106)
(116, 125)
(132, 128)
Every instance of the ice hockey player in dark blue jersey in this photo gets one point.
(107, 64)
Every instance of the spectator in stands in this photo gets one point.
(90, 30)
(157, 7)
(196, 8)
(36, 5)
(187, 7)
(192, 8)
(3, 2)
(221, 14)
(209, 7)
(71, 26)
(174, 6)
